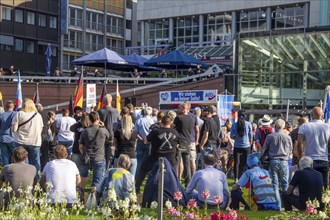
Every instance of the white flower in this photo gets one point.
(168, 204)
(154, 205)
(124, 204)
(136, 208)
(322, 215)
(112, 194)
(133, 197)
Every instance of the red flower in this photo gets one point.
(205, 194)
(177, 196)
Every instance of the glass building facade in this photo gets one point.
(277, 66)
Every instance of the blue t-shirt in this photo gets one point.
(6, 136)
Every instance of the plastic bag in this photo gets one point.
(91, 201)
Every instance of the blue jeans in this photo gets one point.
(133, 166)
(7, 150)
(142, 150)
(278, 171)
(98, 171)
(68, 145)
(33, 157)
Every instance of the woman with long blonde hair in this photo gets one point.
(27, 125)
(125, 141)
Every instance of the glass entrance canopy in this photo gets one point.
(275, 67)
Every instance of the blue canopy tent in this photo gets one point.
(106, 58)
(141, 60)
(175, 60)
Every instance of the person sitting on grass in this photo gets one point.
(119, 179)
(310, 185)
(63, 175)
(210, 179)
(262, 188)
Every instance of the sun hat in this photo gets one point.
(253, 159)
(265, 120)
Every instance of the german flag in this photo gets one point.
(103, 93)
(79, 92)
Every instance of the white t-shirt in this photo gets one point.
(62, 174)
(64, 124)
(29, 133)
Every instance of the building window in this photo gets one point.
(128, 24)
(18, 45)
(53, 22)
(217, 29)
(129, 4)
(76, 17)
(18, 15)
(115, 25)
(42, 20)
(73, 39)
(95, 21)
(185, 30)
(31, 18)
(253, 21)
(289, 17)
(6, 13)
(29, 46)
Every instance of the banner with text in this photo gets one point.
(90, 95)
(193, 96)
(225, 108)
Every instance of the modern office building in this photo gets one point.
(26, 28)
(276, 50)
(95, 24)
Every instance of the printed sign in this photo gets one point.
(90, 95)
(193, 96)
(225, 108)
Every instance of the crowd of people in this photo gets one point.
(121, 149)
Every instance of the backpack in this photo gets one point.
(264, 131)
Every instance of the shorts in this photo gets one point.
(224, 154)
(193, 154)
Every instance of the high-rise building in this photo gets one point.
(274, 51)
(26, 28)
(95, 24)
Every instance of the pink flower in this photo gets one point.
(192, 204)
(205, 194)
(217, 199)
(214, 216)
(295, 218)
(177, 196)
(190, 215)
(171, 210)
(232, 213)
(310, 210)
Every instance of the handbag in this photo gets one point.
(87, 157)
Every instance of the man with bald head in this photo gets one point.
(109, 116)
(313, 140)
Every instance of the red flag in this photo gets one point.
(103, 93)
(80, 80)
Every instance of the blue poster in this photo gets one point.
(64, 17)
(225, 108)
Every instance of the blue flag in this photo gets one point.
(19, 99)
(327, 108)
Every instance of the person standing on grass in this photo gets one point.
(7, 144)
(92, 140)
(184, 124)
(109, 116)
(64, 135)
(279, 146)
(241, 133)
(27, 125)
(313, 141)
